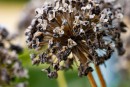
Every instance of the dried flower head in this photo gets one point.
(81, 31)
(28, 12)
(125, 5)
(10, 66)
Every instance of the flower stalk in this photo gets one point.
(99, 73)
(61, 79)
(91, 80)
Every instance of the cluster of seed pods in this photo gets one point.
(80, 32)
(10, 66)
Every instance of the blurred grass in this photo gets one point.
(39, 79)
(25, 58)
(74, 81)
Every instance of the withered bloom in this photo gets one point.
(123, 62)
(10, 66)
(28, 13)
(79, 31)
(125, 5)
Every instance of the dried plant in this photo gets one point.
(29, 12)
(10, 66)
(83, 32)
(125, 5)
(122, 66)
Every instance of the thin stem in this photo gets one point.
(99, 73)
(61, 79)
(91, 80)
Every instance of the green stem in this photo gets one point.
(61, 79)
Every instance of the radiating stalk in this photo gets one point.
(91, 80)
(61, 79)
(100, 76)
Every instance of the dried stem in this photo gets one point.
(91, 80)
(102, 81)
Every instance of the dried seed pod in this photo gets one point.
(3, 32)
(87, 29)
(18, 49)
(53, 74)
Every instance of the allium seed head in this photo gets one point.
(88, 30)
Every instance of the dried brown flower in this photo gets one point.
(80, 31)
